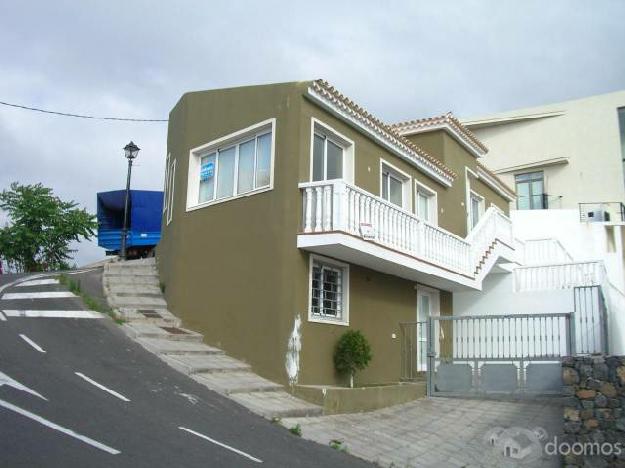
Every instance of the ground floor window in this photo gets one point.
(329, 284)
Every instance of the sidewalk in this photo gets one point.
(436, 432)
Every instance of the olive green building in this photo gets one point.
(293, 215)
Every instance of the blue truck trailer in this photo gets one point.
(145, 210)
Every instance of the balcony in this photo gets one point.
(345, 222)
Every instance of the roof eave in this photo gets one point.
(475, 150)
(363, 124)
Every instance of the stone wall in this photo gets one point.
(594, 411)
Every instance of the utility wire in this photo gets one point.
(64, 114)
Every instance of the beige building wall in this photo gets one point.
(576, 144)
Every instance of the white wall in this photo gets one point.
(586, 133)
(584, 241)
(498, 298)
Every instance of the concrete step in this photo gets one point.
(194, 364)
(119, 280)
(139, 293)
(137, 302)
(177, 348)
(137, 262)
(131, 271)
(125, 288)
(157, 316)
(236, 382)
(150, 330)
(276, 404)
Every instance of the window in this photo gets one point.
(236, 165)
(477, 208)
(172, 181)
(166, 189)
(331, 154)
(327, 158)
(426, 204)
(530, 191)
(395, 185)
(236, 169)
(329, 282)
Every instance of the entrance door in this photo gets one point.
(428, 305)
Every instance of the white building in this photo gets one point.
(559, 155)
(566, 161)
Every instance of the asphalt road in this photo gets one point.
(169, 420)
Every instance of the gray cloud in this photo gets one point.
(399, 60)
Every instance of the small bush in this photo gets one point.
(296, 430)
(338, 445)
(352, 354)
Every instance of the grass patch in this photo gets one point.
(296, 430)
(91, 303)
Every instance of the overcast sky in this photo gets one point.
(399, 60)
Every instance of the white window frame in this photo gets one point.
(348, 146)
(405, 180)
(432, 200)
(240, 136)
(172, 185)
(481, 207)
(344, 320)
(166, 188)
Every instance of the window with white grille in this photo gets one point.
(328, 291)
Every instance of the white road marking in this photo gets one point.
(56, 427)
(37, 295)
(100, 386)
(6, 380)
(18, 281)
(40, 282)
(32, 343)
(2, 317)
(82, 314)
(216, 442)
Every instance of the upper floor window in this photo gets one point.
(530, 191)
(235, 165)
(327, 159)
(395, 185)
(426, 203)
(476, 209)
(332, 154)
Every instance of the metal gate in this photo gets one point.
(497, 355)
(503, 355)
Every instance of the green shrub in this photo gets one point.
(352, 354)
(296, 430)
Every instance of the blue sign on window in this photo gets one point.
(207, 171)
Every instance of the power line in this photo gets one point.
(78, 116)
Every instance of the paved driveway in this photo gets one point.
(442, 432)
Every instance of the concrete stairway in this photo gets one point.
(133, 291)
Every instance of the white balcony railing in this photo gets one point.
(336, 206)
(559, 276)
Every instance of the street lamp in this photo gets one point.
(130, 152)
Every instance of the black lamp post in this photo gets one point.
(130, 152)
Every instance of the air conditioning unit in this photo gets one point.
(597, 216)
